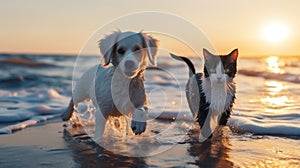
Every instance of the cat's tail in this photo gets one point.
(187, 61)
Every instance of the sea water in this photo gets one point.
(35, 89)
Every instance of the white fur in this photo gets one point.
(106, 45)
(120, 92)
(193, 95)
(218, 90)
(108, 88)
(129, 57)
(140, 114)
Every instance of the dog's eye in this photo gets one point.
(136, 48)
(121, 51)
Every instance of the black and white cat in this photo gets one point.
(211, 94)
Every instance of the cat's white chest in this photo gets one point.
(219, 95)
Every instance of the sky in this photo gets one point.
(255, 27)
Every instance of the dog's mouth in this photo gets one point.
(130, 73)
(126, 73)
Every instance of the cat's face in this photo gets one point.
(220, 68)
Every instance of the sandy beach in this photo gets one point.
(50, 146)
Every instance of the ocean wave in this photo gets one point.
(37, 107)
(30, 80)
(287, 77)
(24, 62)
(283, 125)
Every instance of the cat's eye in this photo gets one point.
(212, 71)
(121, 51)
(227, 70)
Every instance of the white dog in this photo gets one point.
(118, 89)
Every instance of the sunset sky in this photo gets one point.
(256, 27)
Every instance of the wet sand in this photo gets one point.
(50, 146)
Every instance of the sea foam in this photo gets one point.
(37, 107)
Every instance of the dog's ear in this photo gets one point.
(150, 44)
(107, 46)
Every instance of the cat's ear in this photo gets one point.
(206, 53)
(234, 54)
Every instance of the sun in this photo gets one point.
(275, 32)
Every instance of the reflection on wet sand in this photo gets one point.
(213, 152)
(86, 153)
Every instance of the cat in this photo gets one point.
(211, 94)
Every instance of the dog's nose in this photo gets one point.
(129, 64)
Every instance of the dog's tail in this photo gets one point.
(187, 61)
(69, 111)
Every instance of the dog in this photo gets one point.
(117, 86)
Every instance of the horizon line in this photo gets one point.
(94, 55)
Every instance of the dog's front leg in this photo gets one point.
(100, 125)
(139, 120)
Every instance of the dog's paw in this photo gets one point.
(139, 121)
(138, 127)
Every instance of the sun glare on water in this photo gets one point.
(274, 65)
(275, 32)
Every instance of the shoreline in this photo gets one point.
(48, 146)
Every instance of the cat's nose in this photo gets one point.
(219, 78)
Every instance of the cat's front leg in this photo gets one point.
(208, 127)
